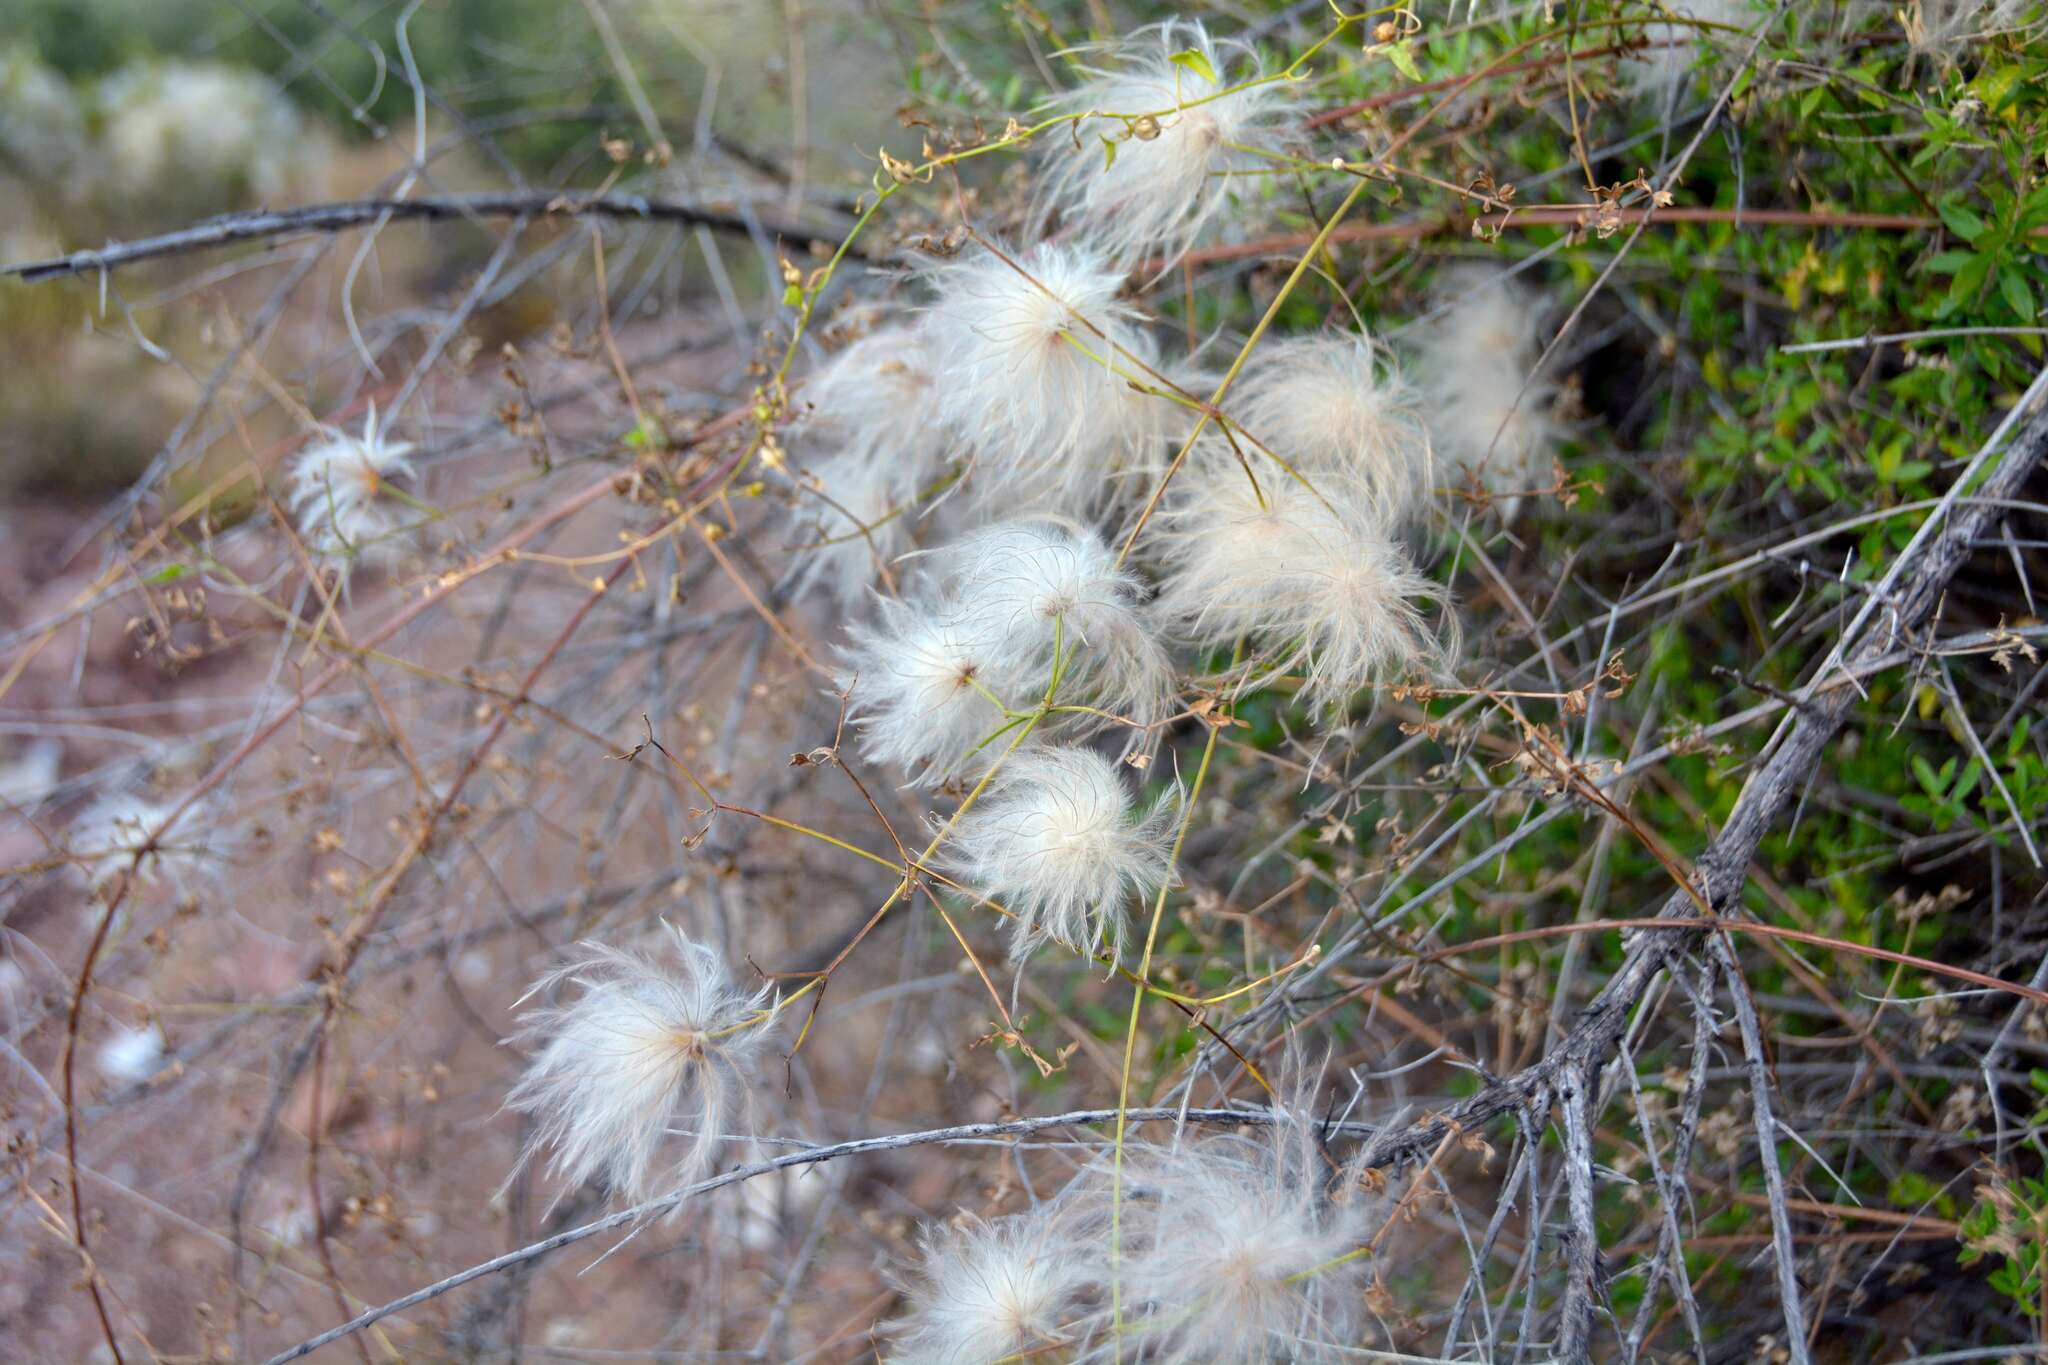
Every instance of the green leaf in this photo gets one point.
(1108, 154)
(1967, 783)
(1961, 221)
(1963, 288)
(1924, 771)
(1997, 88)
(169, 573)
(793, 296)
(1197, 62)
(1404, 61)
(2019, 296)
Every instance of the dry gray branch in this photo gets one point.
(1722, 870)
(965, 1132)
(264, 224)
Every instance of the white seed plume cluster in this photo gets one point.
(1240, 1247)
(1489, 410)
(1012, 390)
(1661, 71)
(923, 691)
(648, 1049)
(341, 495)
(989, 1290)
(867, 415)
(185, 130)
(1311, 572)
(132, 1054)
(1149, 178)
(1337, 406)
(155, 136)
(1040, 356)
(43, 135)
(1057, 842)
(1044, 593)
(107, 838)
(970, 473)
(1237, 1249)
(939, 677)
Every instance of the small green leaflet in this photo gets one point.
(1198, 63)
(169, 573)
(1961, 221)
(1108, 154)
(1403, 60)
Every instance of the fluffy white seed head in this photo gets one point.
(132, 1054)
(989, 1290)
(1176, 146)
(1033, 352)
(204, 132)
(341, 495)
(869, 437)
(106, 838)
(1337, 405)
(1231, 1249)
(646, 1047)
(924, 691)
(1488, 416)
(1663, 70)
(29, 776)
(1058, 842)
(1023, 589)
(1312, 575)
(43, 134)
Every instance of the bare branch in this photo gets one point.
(965, 1132)
(263, 224)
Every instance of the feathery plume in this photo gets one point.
(132, 1054)
(1667, 64)
(1022, 587)
(340, 497)
(990, 1290)
(1312, 573)
(869, 424)
(1337, 405)
(1234, 1249)
(1055, 841)
(201, 132)
(926, 692)
(42, 126)
(1473, 362)
(1031, 344)
(648, 1046)
(108, 835)
(1167, 170)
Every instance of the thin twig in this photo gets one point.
(262, 224)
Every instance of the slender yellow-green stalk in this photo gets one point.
(1123, 1093)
